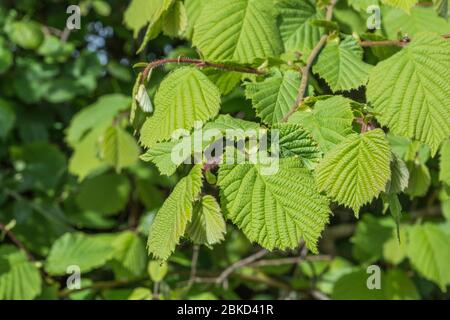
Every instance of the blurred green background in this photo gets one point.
(61, 92)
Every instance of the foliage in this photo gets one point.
(347, 123)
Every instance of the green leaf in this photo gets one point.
(238, 30)
(353, 286)
(226, 122)
(399, 176)
(274, 210)
(410, 91)
(442, 8)
(19, 278)
(85, 158)
(356, 170)
(275, 96)
(329, 122)
(394, 251)
(141, 12)
(419, 180)
(398, 286)
(107, 194)
(294, 141)
(207, 225)
(421, 19)
(295, 26)
(101, 113)
(429, 254)
(119, 148)
(158, 11)
(185, 96)
(130, 256)
(157, 270)
(193, 10)
(171, 220)
(406, 5)
(444, 163)
(161, 156)
(395, 285)
(362, 5)
(175, 20)
(225, 81)
(370, 236)
(7, 118)
(78, 249)
(341, 65)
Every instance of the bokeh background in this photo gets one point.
(62, 91)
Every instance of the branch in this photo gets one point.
(193, 266)
(239, 264)
(397, 43)
(200, 64)
(312, 57)
(16, 241)
(290, 260)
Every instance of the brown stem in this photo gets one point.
(16, 241)
(306, 69)
(198, 63)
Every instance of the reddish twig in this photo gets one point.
(398, 43)
(200, 64)
(16, 241)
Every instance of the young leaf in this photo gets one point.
(157, 270)
(294, 24)
(294, 141)
(171, 220)
(19, 278)
(411, 91)
(329, 122)
(143, 99)
(193, 10)
(356, 170)
(161, 156)
(406, 5)
(207, 225)
(237, 30)
(429, 254)
(77, 249)
(274, 97)
(185, 96)
(175, 20)
(277, 210)
(362, 5)
(341, 65)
